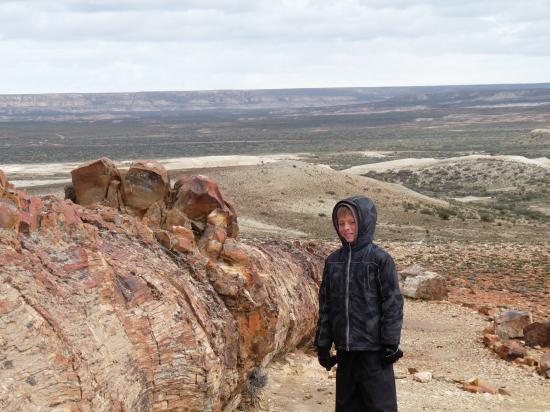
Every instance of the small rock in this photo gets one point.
(476, 385)
(510, 350)
(423, 377)
(412, 370)
(308, 396)
(504, 392)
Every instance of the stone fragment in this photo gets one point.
(488, 311)
(417, 283)
(174, 217)
(476, 385)
(510, 350)
(504, 392)
(145, 183)
(9, 214)
(3, 180)
(112, 199)
(490, 340)
(197, 196)
(510, 324)
(218, 217)
(234, 254)
(91, 180)
(423, 376)
(544, 365)
(30, 214)
(154, 214)
(537, 334)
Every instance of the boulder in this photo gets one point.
(145, 183)
(537, 333)
(417, 283)
(91, 180)
(510, 324)
(197, 196)
(544, 365)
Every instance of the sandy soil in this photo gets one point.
(441, 338)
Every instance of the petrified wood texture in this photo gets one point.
(96, 315)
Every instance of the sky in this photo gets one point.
(141, 45)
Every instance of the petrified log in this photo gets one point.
(145, 183)
(96, 315)
(91, 180)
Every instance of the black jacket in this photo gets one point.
(360, 304)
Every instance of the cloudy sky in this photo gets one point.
(139, 45)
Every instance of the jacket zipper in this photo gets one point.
(347, 299)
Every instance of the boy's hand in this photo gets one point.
(325, 360)
(391, 354)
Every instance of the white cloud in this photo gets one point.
(99, 45)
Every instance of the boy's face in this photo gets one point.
(347, 227)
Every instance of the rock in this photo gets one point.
(488, 311)
(510, 324)
(490, 340)
(197, 196)
(9, 213)
(423, 377)
(544, 365)
(417, 283)
(174, 217)
(3, 181)
(91, 180)
(476, 385)
(145, 183)
(412, 370)
(504, 392)
(510, 350)
(537, 334)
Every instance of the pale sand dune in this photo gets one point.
(411, 163)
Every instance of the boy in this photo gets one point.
(361, 312)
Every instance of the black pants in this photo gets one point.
(364, 383)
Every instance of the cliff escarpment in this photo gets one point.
(142, 299)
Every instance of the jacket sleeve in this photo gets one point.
(323, 336)
(391, 319)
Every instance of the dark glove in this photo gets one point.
(325, 360)
(391, 354)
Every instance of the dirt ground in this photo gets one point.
(441, 338)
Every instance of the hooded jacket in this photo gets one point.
(360, 304)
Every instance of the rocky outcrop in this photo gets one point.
(417, 283)
(105, 310)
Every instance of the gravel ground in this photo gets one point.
(443, 338)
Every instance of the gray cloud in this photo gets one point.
(100, 45)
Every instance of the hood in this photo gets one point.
(365, 213)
